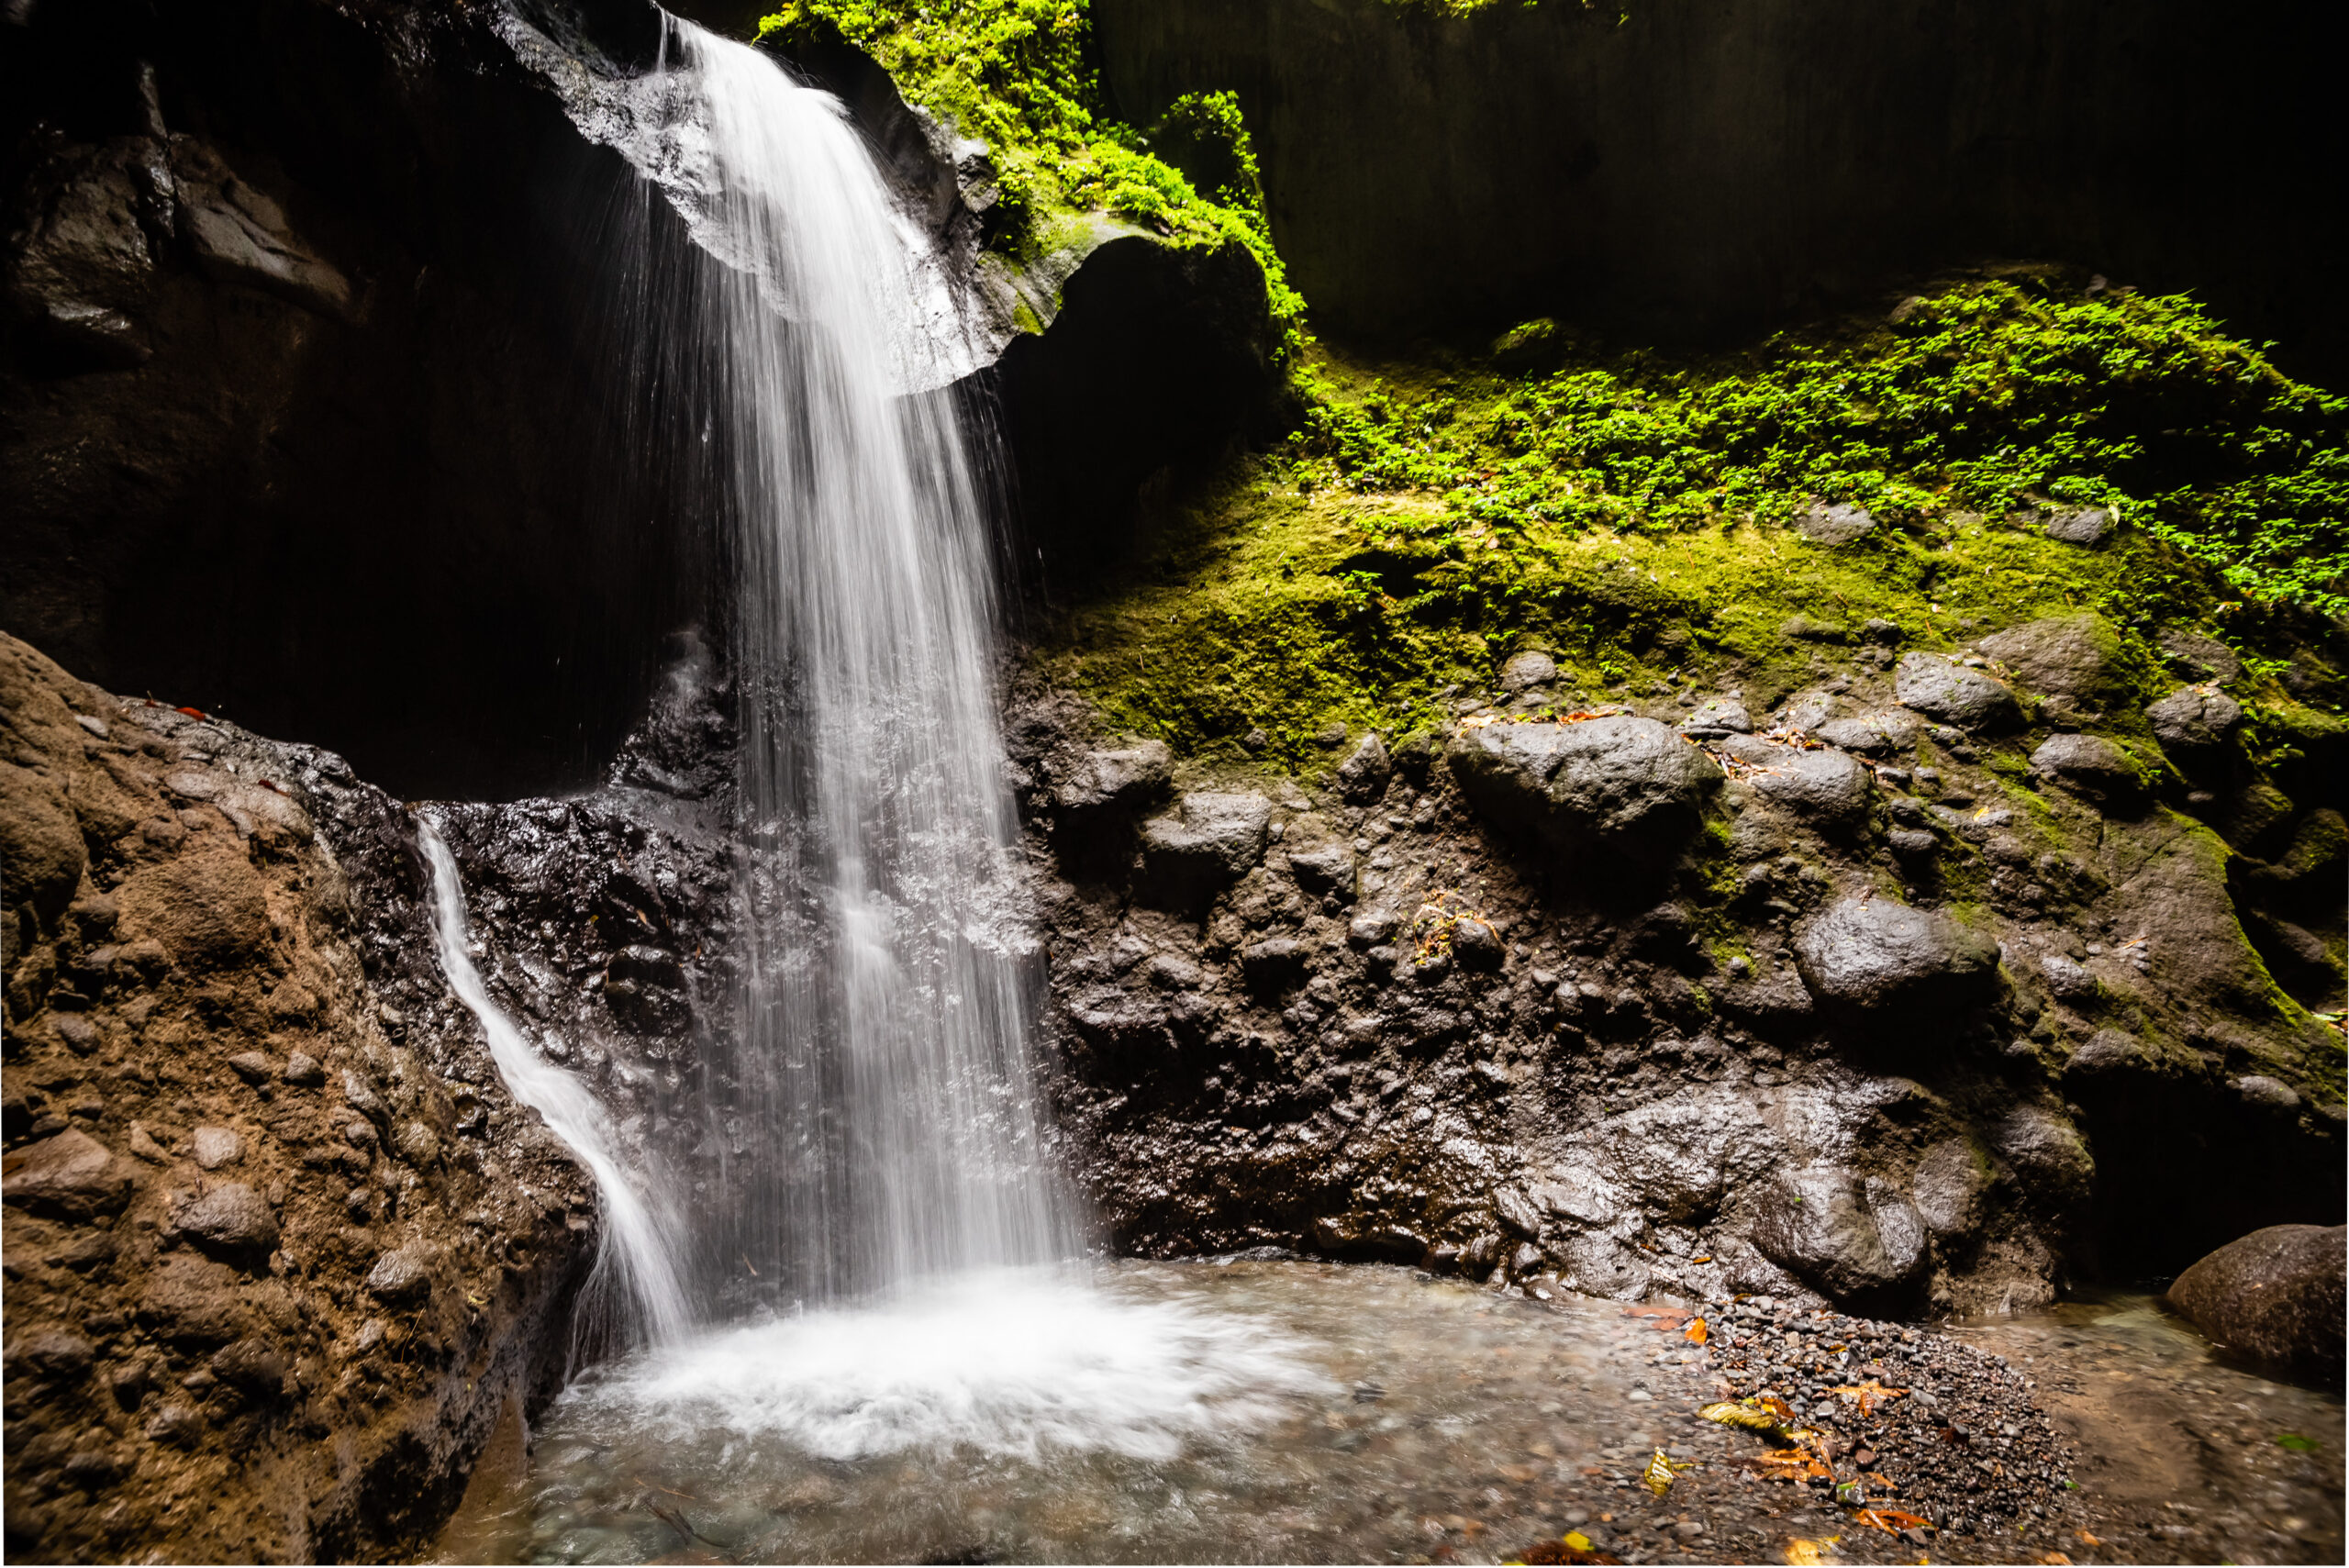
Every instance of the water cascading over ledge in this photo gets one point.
(871, 1120)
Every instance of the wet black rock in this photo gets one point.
(1623, 786)
(1956, 694)
(2276, 1296)
(1878, 958)
(2195, 726)
(2092, 765)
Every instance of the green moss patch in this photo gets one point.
(1015, 74)
(1627, 513)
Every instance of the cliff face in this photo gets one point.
(281, 1249)
(322, 407)
(1679, 171)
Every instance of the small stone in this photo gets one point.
(1842, 524)
(142, 1143)
(302, 1068)
(231, 1221)
(399, 1276)
(253, 1067)
(2269, 1093)
(1362, 775)
(1531, 668)
(254, 1365)
(2079, 525)
(70, 1173)
(1516, 1211)
(213, 1147)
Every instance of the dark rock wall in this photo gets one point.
(384, 495)
(1913, 1026)
(1687, 170)
(281, 1251)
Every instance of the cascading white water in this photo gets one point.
(877, 1111)
(635, 1288)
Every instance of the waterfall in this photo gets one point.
(872, 1121)
(634, 1288)
(886, 1106)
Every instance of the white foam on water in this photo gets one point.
(1014, 1362)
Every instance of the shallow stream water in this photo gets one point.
(1260, 1410)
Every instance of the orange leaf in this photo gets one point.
(1697, 1334)
(192, 712)
(1892, 1521)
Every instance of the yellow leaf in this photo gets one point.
(1660, 1472)
(1804, 1554)
(1578, 1540)
(1750, 1414)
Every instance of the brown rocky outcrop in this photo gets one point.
(221, 1132)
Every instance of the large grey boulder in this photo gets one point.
(1210, 844)
(2275, 1296)
(2195, 725)
(1823, 786)
(2072, 656)
(2079, 525)
(1870, 734)
(1860, 1244)
(1876, 957)
(1625, 786)
(1956, 694)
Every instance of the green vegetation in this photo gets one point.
(1625, 512)
(1014, 73)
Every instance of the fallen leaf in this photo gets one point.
(1697, 1334)
(1892, 1521)
(2056, 1558)
(1661, 1470)
(1750, 1414)
(2296, 1443)
(1866, 1396)
(2089, 1539)
(1808, 1553)
(1706, 1259)
(192, 712)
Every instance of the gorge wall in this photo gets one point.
(1683, 172)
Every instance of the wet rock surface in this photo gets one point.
(1916, 1024)
(233, 1084)
(2275, 1296)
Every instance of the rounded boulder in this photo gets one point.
(1876, 957)
(1626, 787)
(2275, 1296)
